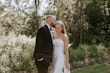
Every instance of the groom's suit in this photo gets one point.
(43, 49)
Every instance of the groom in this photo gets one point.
(44, 47)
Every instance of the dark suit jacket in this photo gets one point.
(44, 45)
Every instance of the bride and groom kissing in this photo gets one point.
(51, 49)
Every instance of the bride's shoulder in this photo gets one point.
(65, 37)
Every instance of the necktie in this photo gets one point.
(50, 28)
(51, 32)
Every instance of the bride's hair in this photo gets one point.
(62, 25)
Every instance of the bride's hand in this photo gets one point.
(68, 66)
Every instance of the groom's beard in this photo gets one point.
(53, 25)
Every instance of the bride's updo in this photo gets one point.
(62, 25)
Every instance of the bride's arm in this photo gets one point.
(66, 42)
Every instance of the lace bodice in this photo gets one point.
(58, 45)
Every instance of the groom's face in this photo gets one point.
(50, 19)
(53, 20)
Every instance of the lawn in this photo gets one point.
(102, 68)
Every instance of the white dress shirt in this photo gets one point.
(49, 27)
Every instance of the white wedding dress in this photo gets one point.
(59, 59)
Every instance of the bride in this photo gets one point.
(60, 55)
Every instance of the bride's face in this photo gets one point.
(58, 28)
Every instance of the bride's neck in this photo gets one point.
(59, 33)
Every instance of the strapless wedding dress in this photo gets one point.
(59, 59)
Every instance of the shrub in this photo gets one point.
(71, 54)
(89, 55)
(79, 53)
(108, 49)
(93, 51)
(16, 53)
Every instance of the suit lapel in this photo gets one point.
(48, 32)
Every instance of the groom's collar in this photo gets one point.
(49, 27)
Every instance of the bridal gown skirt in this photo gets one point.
(59, 59)
(59, 65)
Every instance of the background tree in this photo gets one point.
(97, 21)
(19, 16)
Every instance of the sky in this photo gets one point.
(42, 7)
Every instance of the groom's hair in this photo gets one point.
(50, 16)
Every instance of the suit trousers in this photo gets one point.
(42, 66)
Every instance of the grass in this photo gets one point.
(102, 68)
